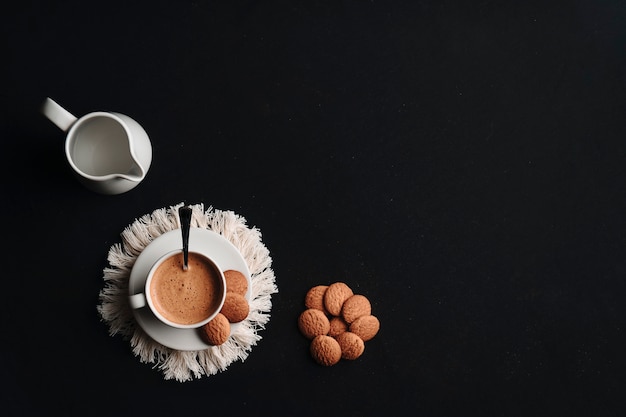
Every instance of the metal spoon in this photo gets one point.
(184, 213)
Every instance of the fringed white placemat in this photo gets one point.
(183, 366)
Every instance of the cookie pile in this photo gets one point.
(338, 323)
(234, 310)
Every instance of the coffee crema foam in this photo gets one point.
(186, 297)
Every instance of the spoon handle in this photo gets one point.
(184, 213)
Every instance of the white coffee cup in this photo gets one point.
(109, 152)
(181, 298)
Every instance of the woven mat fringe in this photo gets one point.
(183, 366)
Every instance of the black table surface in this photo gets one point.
(462, 164)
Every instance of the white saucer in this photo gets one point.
(224, 253)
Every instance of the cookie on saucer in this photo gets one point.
(236, 307)
(236, 281)
(217, 331)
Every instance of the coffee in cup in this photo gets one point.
(183, 298)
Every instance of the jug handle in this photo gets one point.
(57, 114)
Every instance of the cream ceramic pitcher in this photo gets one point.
(109, 152)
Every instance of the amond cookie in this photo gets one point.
(325, 350)
(236, 281)
(217, 331)
(355, 307)
(313, 322)
(352, 346)
(335, 296)
(337, 326)
(235, 307)
(365, 327)
(315, 297)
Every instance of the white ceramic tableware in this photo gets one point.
(177, 282)
(109, 152)
(203, 241)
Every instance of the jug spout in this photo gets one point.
(134, 173)
(140, 150)
(116, 182)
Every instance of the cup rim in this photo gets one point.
(158, 315)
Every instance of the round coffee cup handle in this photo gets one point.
(57, 114)
(137, 300)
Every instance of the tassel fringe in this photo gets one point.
(183, 366)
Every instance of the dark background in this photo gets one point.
(462, 164)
